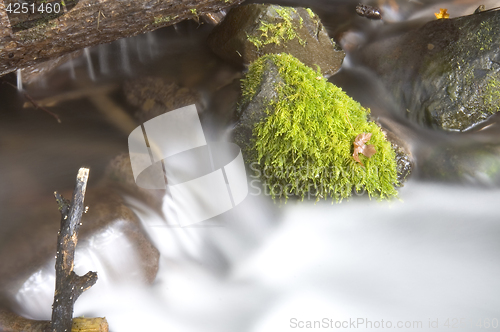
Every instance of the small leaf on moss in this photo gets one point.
(361, 147)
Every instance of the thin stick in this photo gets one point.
(27, 96)
(69, 286)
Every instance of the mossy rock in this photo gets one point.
(297, 132)
(251, 31)
(446, 74)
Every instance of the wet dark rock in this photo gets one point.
(251, 31)
(370, 12)
(404, 158)
(253, 112)
(470, 163)
(155, 96)
(446, 74)
(404, 163)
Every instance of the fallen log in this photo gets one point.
(32, 37)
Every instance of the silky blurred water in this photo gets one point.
(431, 255)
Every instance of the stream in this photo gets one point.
(426, 261)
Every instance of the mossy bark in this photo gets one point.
(28, 40)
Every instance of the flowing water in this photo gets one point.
(429, 259)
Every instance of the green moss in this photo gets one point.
(35, 31)
(491, 96)
(311, 13)
(484, 37)
(306, 142)
(164, 19)
(281, 31)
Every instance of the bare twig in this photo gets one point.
(69, 286)
(81, 92)
(35, 104)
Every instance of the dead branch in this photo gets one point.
(34, 103)
(69, 286)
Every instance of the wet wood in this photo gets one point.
(90, 325)
(69, 286)
(75, 94)
(28, 39)
(10, 322)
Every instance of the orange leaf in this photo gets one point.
(443, 13)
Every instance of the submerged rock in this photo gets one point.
(251, 31)
(297, 132)
(472, 163)
(119, 175)
(445, 74)
(155, 96)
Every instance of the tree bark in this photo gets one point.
(33, 37)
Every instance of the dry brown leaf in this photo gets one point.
(360, 147)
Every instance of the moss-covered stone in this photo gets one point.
(280, 32)
(251, 31)
(297, 131)
(446, 73)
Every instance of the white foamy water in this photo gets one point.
(259, 266)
